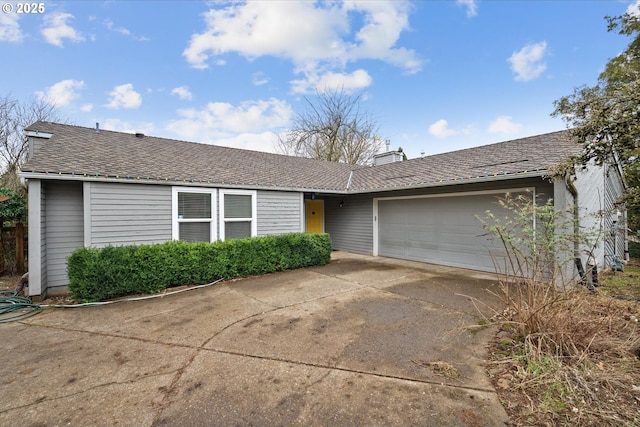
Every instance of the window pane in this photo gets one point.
(195, 231)
(237, 206)
(194, 205)
(237, 230)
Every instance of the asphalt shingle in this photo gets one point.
(74, 150)
(84, 151)
(532, 155)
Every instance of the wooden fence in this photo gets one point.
(13, 251)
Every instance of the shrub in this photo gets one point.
(536, 277)
(634, 249)
(114, 271)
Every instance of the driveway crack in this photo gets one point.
(348, 370)
(172, 388)
(41, 399)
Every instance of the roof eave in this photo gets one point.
(173, 182)
(193, 183)
(493, 178)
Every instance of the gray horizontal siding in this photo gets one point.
(124, 214)
(590, 184)
(64, 231)
(43, 238)
(278, 212)
(614, 241)
(350, 226)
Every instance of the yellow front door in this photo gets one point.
(314, 216)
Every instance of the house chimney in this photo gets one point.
(388, 157)
(97, 127)
(139, 135)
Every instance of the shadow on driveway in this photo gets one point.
(360, 341)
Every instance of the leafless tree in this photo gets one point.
(15, 115)
(332, 127)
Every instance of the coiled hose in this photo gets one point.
(13, 307)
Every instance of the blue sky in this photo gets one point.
(436, 75)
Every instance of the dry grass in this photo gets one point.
(568, 357)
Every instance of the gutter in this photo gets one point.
(209, 184)
(167, 181)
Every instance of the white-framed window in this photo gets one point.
(194, 214)
(238, 214)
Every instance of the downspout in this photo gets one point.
(576, 218)
(568, 181)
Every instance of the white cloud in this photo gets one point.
(527, 62)
(119, 125)
(259, 79)
(56, 29)
(384, 21)
(250, 125)
(504, 125)
(61, 93)
(634, 9)
(352, 82)
(122, 30)
(183, 93)
(263, 141)
(249, 116)
(316, 37)
(10, 28)
(124, 96)
(471, 5)
(86, 108)
(112, 27)
(440, 129)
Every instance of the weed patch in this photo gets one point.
(564, 355)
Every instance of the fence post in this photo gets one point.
(2, 266)
(20, 247)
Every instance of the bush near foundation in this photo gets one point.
(115, 271)
(634, 249)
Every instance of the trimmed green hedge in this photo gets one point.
(634, 249)
(115, 271)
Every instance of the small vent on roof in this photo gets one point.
(139, 135)
(501, 163)
(398, 177)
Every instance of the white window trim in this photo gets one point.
(254, 211)
(175, 221)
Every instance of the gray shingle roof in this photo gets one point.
(79, 151)
(83, 151)
(531, 156)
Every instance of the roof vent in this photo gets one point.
(388, 157)
(139, 135)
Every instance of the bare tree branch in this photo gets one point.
(14, 117)
(332, 127)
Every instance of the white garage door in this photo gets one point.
(439, 230)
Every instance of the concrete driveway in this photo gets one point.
(362, 341)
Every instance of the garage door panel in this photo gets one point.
(442, 230)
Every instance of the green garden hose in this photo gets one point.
(13, 307)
